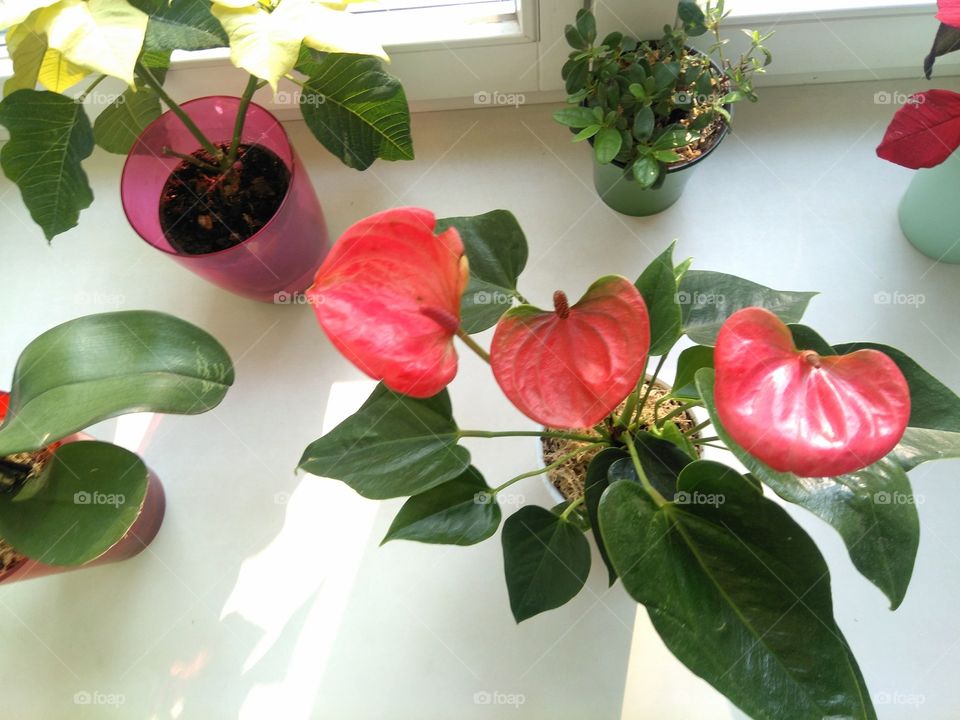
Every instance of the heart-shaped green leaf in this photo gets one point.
(661, 460)
(462, 511)
(707, 299)
(497, 253)
(595, 484)
(355, 109)
(738, 592)
(81, 505)
(393, 446)
(50, 135)
(658, 285)
(546, 560)
(101, 366)
(690, 361)
(872, 509)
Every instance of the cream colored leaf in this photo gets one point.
(236, 4)
(13, 12)
(58, 74)
(335, 31)
(27, 49)
(260, 42)
(102, 35)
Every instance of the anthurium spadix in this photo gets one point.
(571, 367)
(388, 297)
(800, 412)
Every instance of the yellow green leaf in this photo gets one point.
(13, 12)
(103, 35)
(27, 49)
(57, 73)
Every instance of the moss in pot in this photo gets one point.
(653, 109)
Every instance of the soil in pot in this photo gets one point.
(203, 211)
(569, 477)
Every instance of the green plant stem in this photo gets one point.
(644, 480)
(253, 84)
(191, 159)
(711, 445)
(188, 122)
(704, 441)
(90, 88)
(528, 433)
(694, 430)
(679, 411)
(552, 466)
(473, 345)
(573, 506)
(626, 417)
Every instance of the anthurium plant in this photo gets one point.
(650, 105)
(351, 105)
(77, 374)
(926, 130)
(718, 564)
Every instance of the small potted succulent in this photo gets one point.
(924, 135)
(214, 182)
(653, 109)
(67, 500)
(833, 428)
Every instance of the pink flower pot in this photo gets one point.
(140, 534)
(283, 256)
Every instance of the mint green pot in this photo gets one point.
(622, 193)
(930, 213)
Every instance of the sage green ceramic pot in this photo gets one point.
(930, 213)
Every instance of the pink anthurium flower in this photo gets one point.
(570, 368)
(801, 412)
(388, 297)
(949, 12)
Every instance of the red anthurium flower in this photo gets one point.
(570, 368)
(388, 297)
(925, 131)
(949, 12)
(800, 412)
(4, 404)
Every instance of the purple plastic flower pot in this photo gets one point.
(283, 256)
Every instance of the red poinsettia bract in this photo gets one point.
(388, 297)
(570, 368)
(800, 412)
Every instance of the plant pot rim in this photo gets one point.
(292, 168)
(725, 126)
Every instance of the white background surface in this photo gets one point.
(265, 594)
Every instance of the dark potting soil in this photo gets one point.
(202, 211)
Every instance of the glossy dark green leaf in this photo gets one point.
(587, 26)
(606, 145)
(355, 109)
(83, 503)
(117, 128)
(658, 285)
(806, 338)
(101, 366)
(707, 299)
(692, 17)
(594, 486)
(182, 25)
(690, 361)
(393, 446)
(643, 123)
(574, 38)
(873, 509)
(738, 592)
(546, 561)
(497, 253)
(661, 460)
(646, 171)
(50, 135)
(462, 511)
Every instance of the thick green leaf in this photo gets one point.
(671, 433)
(738, 592)
(546, 561)
(462, 511)
(355, 109)
(181, 25)
(50, 135)
(594, 486)
(606, 145)
(393, 446)
(707, 299)
(873, 509)
(497, 252)
(918, 446)
(690, 361)
(101, 366)
(575, 117)
(117, 128)
(83, 503)
(658, 285)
